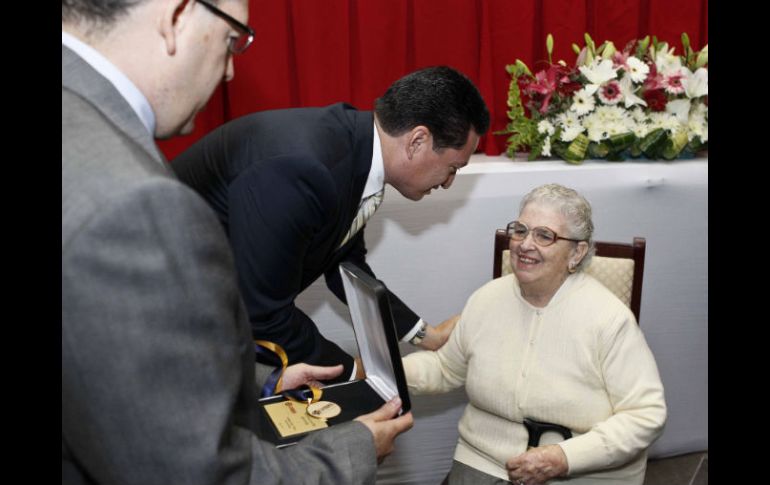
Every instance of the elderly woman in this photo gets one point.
(552, 344)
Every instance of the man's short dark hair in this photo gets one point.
(101, 13)
(440, 98)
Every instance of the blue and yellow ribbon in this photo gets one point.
(274, 383)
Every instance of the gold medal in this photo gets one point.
(324, 409)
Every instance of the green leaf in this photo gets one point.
(609, 49)
(621, 141)
(522, 129)
(598, 150)
(674, 145)
(536, 149)
(576, 151)
(575, 49)
(523, 68)
(590, 44)
(696, 145)
(589, 57)
(601, 48)
(616, 156)
(703, 57)
(653, 143)
(549, 47)
(642, 49)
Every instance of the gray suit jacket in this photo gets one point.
(158, 375)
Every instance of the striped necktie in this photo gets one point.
(365, 211)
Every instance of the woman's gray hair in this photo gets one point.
(575, 209)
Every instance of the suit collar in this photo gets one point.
(363, 144)
(375, 180)
(135, 98)
(79, 77)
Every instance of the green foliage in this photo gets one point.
(523, 129)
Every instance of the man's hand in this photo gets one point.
(299, 374)
(436, 337)
(537, 465)
(384, 429)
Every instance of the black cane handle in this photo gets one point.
(537, 428)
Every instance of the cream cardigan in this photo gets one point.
(581, 361)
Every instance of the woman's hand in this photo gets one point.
(538, 465)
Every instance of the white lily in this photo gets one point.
(597, 74)
(666, 62)
(680, 108)
(696, 84)
(627, 90)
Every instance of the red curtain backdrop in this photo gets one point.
(318, 52)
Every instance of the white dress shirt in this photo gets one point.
(125, 87)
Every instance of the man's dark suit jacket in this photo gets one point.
(286, 185)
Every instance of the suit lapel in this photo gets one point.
(79, 77)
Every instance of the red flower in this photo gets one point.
(544, 85)
(654, 80)
(547, 82)
(656, 99)
(568, 88)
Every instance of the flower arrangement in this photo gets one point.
(643, 101)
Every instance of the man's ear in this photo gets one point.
(417, 140)
(174, 16)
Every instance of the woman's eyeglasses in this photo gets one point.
(541, 235)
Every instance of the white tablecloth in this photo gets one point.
(436, 252)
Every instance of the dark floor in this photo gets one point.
(690, 469)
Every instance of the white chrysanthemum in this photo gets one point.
(611, 114)
(569, 134)
(582, 102)
(545, 126)
(700, 109)
(637, 69)
(638, 115)
(616, 128)
(567, 119)
(546, 152)
(640, 129)
(664, 120)
(606, 121)
(697, 126)
(595, 126)
(597, 133)
(638, 122)
(696, 84)
(570, 125)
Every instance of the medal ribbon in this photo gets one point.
(306, 393)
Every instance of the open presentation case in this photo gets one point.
(375, 333)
